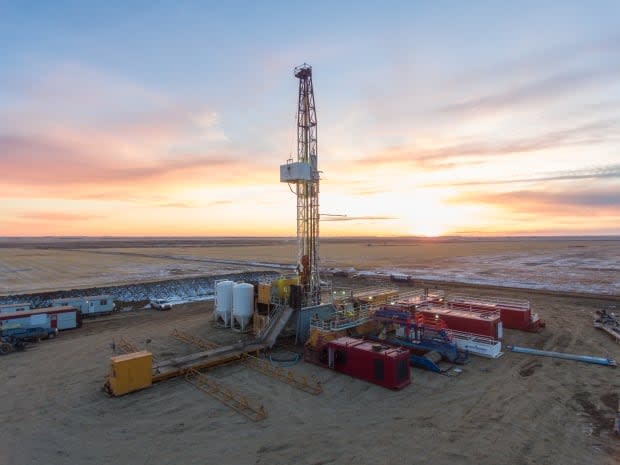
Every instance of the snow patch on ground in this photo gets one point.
(176, 291)
(562, 272)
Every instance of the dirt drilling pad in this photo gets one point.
(519, 409)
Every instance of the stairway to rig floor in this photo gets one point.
(302, 383)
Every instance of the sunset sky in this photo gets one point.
(172, 118)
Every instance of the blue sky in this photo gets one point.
(434, 117)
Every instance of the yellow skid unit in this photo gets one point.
(264, 293)
(130, 372)
(280, 287)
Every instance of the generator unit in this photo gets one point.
(129, 373)
(374, 362)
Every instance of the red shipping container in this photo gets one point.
(486, 324)
(377, 363)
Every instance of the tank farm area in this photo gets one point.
(312, 367)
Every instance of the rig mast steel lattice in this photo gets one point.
(304, 175)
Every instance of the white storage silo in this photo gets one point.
(243, 304)
(224, 301)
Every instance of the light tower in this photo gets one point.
(304, 175)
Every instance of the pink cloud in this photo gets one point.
(554, 204)
(77, 129)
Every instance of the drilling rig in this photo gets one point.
(302, 176)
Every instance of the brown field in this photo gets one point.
(518, 409)
(577, 264)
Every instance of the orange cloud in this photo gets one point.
(57, 216)
(358, 218)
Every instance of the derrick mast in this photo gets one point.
(303, 174)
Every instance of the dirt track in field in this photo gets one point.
(518, 409)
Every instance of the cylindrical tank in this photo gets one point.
(224, 300)
(243, 303)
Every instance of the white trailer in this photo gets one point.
(89, 305)
(12, 308)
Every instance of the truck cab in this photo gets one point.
(160, 304)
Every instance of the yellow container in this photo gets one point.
(280, 287)
(377, 297)
(264, 293)
(130, 372)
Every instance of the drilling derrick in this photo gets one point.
(303, 174)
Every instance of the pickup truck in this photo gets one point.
(160, 304)
(12, 339)
(29, 333)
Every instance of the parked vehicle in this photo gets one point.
(8, 345)
(30, 333)
(15, 338)
(161, 304)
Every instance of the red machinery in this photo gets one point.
(515, 314)
(377, 363)
(485, 324)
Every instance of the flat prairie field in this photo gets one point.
(583, 264)
(517, 409)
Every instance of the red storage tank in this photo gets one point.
(52, 317)
(377, 363)
(486, 324)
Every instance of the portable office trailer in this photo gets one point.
(377, 363)
(88, 305)
(12, 308)
(53, 317)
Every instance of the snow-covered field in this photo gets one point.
(548, 271)
(585, 265)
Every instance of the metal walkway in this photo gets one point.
(225, 395)
(276, 325)
(311, 386)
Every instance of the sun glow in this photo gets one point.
(429, 230)
(428, 217)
